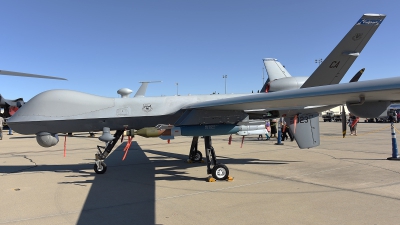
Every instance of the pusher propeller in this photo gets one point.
(354, 79)
(357, 76)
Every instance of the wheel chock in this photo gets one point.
(210, 179)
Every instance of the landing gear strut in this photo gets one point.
(218, 171)
(100, 166)
(194, 154)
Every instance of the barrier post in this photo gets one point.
(395, 152)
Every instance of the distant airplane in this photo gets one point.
(19, 74)
(64, 111)
(11, 106)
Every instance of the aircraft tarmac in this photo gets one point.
(342, 181)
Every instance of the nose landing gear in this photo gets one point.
(100, 166)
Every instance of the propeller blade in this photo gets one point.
(295, 123)
(344, 125)
(357, 76)
(18, 74)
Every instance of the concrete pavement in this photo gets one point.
(343, 181)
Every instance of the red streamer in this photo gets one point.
(65, 145)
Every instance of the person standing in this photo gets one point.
(349, 122)
(268, 128)
(284, 129)
(353, 120)
(1, 127)
(354, 124)
(273, 128)
(398, 117)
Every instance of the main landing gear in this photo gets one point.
(194, 154)
(217, 170)
(100, 166)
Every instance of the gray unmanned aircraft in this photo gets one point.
(64, 111)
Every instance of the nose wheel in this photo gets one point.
(100, 167)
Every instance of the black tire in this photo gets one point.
(102, 170)
(220, 172)
(196, 157)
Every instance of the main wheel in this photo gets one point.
(197, 156)
(220, 172)
(100, 170)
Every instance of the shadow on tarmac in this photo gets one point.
(125, 194)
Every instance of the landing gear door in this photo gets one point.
(306, 131)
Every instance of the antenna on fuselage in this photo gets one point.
(142, 90)
(124, 92)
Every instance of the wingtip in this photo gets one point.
(374, 15)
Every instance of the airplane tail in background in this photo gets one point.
(279, 78)
(275, 71)
(10, 106)
(338, 62)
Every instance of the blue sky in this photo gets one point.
(102, 46)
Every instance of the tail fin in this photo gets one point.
(142, 90)
(338, 62)
(275, 71)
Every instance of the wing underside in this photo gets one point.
(374, 90)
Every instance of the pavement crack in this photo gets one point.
(26, 157)
(23, 169)
(353, 161)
